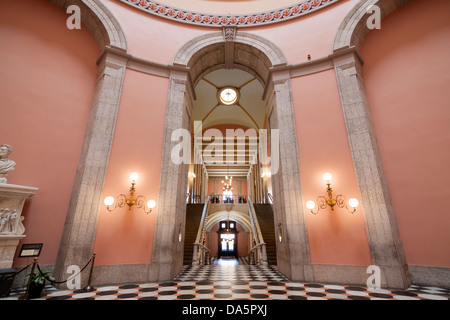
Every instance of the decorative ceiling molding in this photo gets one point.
(244, 20)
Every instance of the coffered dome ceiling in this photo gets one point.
(219, 13)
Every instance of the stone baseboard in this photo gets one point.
(430, 276)
(323, 273)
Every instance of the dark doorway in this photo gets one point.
(227, 239)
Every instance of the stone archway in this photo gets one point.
(96, 17)
(232, 49)
(382, 230)
(242, 219)
(81, 221)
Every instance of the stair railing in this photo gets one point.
(258, 253)
(201, 254)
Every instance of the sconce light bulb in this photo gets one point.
(327, 177)
(310, 205)
(151, 204)
(353, 202)
(134, 176)
(109, 201)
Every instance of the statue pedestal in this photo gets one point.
(8, 247)
(12, 199)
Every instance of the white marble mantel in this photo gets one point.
(12, 200)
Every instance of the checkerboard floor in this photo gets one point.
(240, 282)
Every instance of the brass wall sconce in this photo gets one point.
(340, 201)
(120, 201)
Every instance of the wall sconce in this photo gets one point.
(340, 200)
(130, 201)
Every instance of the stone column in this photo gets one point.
(167, 255)
(293, 252)
(382, 230)
(81, 221)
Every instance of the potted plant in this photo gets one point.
(38, 283)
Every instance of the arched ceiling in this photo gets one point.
(239, 217)
(249, 111)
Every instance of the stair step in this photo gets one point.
(264, 213)
(193, 216)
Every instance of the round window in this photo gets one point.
(228, 96)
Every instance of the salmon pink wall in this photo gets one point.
(235, 187)
(407, 79)
(152, 38)
(47, 81)
(312, 34)
(123, 236)
(335, 237)
(211, 189)
(244, 187)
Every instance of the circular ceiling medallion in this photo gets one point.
(228, 96)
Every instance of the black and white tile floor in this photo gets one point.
(227, 280)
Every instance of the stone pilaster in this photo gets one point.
(229, 34)
(293, 252)
(81, 221)
(167, 255)
(381, 225)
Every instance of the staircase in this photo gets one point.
(193, 217)
(264, 213)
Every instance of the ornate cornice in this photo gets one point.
(244, 20)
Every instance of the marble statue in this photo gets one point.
(6, 165)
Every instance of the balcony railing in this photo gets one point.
(223, 199)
